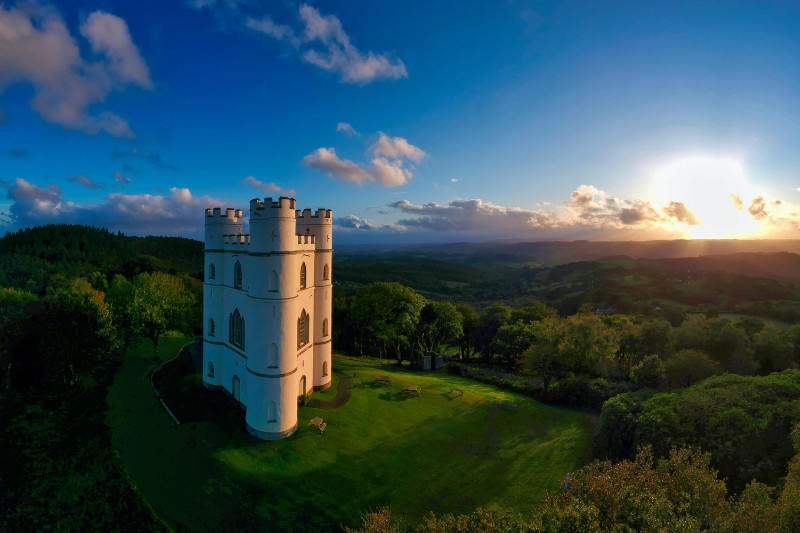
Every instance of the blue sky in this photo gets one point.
(414, 122)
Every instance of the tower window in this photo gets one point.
(325, 368)
(273, 281)
(325, 328)
(212, 271)
(210, 369)
(237, 275)
(302, 329)
(325, 273)
(236, 329)
(303, 276)
(211, 327)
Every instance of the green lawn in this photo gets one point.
(439, 451)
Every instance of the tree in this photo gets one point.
(469, 321)
(439, 323)
(650, 372)
(388, 314)
(685, 367)
(589, 345)
(78, 332)
(514, 339)
(15, 306)
(492, 319)
(159, 301)
(655, 337)
(772, 349)
(674, 315)
(544, 357)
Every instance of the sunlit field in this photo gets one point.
(440, 450)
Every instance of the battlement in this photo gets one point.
(216, 215)
(234, 239)
(306, 239)
(321, 214)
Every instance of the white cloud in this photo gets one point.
(397, 148)
(86, 182)
(347, 129)
(321, 41)
(326, 160)
(37, 48)
(454, 180)
(387, 166)
(268, 187)
(381, 171)
(109, 35)
(587, 212)
(179, 213)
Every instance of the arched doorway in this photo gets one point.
(236, 389)
(302, 386)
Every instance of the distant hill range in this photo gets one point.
(560, 252)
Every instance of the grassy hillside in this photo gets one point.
(439, 450)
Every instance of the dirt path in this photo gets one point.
(342, 394)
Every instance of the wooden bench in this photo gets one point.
(413, 389)
(453, 389)
(383, 380)
(316, 421)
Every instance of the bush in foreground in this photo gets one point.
(680, 492)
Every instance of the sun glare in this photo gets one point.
(715, 190)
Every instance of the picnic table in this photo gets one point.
(413, 389)
(316, 421)
(453, 389)
(384, 380)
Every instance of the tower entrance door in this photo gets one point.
(236, 389)
(302, 386)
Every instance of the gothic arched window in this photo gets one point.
(211, 327)
(272, 412)
(325, 273)
(237, 275)
(273, 281)
(303, 276)
(325, 328)
(236, 329)
(302, 329)
(272, 356)
(325, 368)
(210, 369)
(212, 271)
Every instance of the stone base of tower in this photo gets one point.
(268, 435)
(324, 386)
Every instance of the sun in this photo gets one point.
(715, 190)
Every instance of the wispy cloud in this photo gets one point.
(268, 187)
(121, 178)
(83, 180)
(37, 48)
(347, 129)
(317, 39)
(153, 158)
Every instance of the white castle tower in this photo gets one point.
(267, 310)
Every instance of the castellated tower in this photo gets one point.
(267, 306)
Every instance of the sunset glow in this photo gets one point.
(715, 190)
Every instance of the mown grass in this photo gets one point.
(440, 451)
